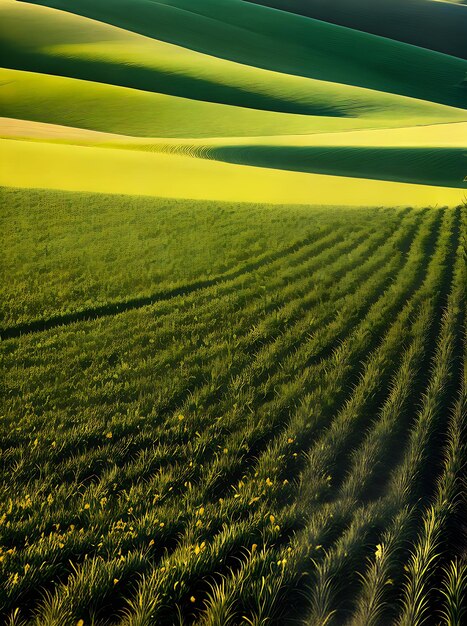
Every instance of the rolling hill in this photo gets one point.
(203, 97)
(287, 43)
(436, 25)
(48, 41)
(232, 317)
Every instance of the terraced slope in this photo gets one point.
(275, 443)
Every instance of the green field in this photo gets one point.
(232, 315)
(228, 83)
(201, 406)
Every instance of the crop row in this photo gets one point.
(232, 455)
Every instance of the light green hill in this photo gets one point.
(30, 164)
(96, 106)
(426, 155)
(221, 127)
(263, 37)
(45, 40)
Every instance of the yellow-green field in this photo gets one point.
(232, 319)
(153, 77)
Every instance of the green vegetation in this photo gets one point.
(286, 43)
(154, 172)
(428, 166)
(85, 252)
(232, 327)
(96, 106)
(276, 440)
(433, 24)
(53, 42)
(226, 81)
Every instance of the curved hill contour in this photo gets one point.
(287, 43)
(231, 82)
(440, 26)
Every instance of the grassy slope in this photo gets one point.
(72, 102)
(429, 155)
(429, 166)
(92, 431)
(77, 168)
(97, 106)
(432, 136)
(292, 44)
(38, 39)
(56, 42)
(54, 263)
(121, 433)
(434, 25)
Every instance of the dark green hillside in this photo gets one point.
(255, 35)
(43, 40)
(427, 166)
(440, 26)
